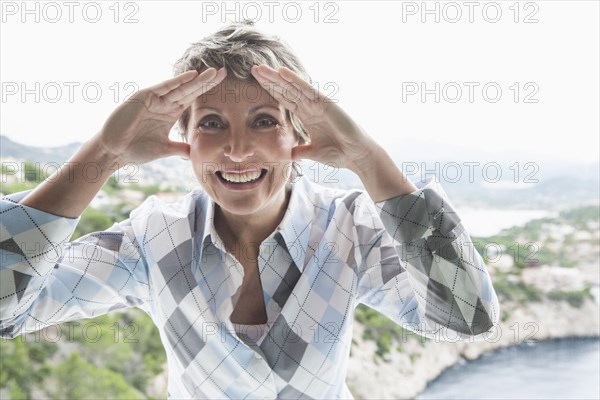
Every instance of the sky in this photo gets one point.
(473, 80)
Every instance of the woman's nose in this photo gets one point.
(239, 147)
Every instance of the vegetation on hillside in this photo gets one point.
(126, 353)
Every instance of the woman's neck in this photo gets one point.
(253, 228)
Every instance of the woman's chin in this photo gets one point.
(251, 204)
(243, 207)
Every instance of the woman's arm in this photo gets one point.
(68, 191)
(422, 269)
(136, 132)
(381, 176)
(47, 280)
(334, 137)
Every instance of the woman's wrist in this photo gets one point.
(96, 150)
(380, 175)
(366, 164)
(69, 191)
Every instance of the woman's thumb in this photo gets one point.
(178, 149)
(303, 151)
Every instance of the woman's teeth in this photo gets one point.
(241, 177)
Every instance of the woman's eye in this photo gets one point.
(210, 124)
(266, 122)
(214, 124)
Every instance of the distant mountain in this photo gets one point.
(560, 184)
(555, 193)
(171, 172)
(59, 154)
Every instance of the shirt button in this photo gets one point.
(257, 356)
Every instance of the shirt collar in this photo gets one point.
(210, 235)
(296, 224)
(294, 228)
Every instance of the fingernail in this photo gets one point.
(211, 71)
(267, 71)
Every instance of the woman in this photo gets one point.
(252, 280)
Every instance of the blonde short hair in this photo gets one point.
(237, 46)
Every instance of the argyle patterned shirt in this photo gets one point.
(408, 257)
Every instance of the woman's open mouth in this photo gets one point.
(241, 180)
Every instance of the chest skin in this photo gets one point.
(250, 307)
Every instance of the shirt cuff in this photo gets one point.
(31, 240)
(412, 216)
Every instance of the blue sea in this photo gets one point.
(553, 369)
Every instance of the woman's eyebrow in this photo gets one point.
(207, 108)
(258, 107)
(252, 110)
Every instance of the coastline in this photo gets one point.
(404, 374)
(554, 295)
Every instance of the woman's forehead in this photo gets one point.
(233, 91)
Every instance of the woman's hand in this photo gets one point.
(138, 130)
(334, 137)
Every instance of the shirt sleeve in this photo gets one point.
(422, 269)
(46, 280)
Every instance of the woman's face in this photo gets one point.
(241, 147)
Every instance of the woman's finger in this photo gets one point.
(178, 149)
(302, 151)
(196, 85)
(281, 94)
(203, 88)
(165, 87)
(288, 77)
(312, 93)
(294, 95)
